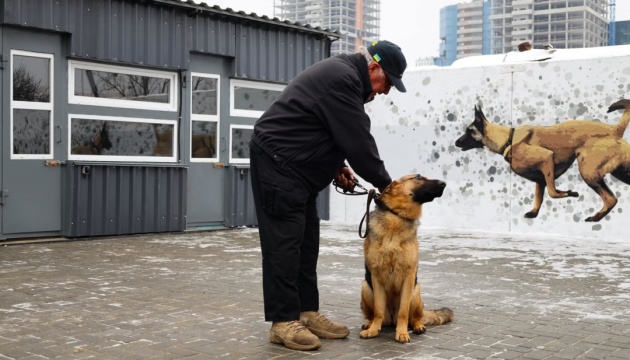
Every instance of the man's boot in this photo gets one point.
(293, 335)
(319, 325)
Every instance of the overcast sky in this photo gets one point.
(412, 24)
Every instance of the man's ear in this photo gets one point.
(373, 66)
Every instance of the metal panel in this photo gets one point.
(239, 202)
(163, 33)
(123, 199)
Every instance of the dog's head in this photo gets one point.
(102, 140)
(475, 132)
(406, 195)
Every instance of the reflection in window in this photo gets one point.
(240, 142)
(31, 78)
(120, 138)
(247, 98)
(204, 139)
(110, 85)
(204, 95)
(31, 131)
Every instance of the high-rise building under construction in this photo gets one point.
(482, 27)
(358, 21)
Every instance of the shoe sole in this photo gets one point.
(328, 335)
(292, 345)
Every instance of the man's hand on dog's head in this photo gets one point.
(345, 179)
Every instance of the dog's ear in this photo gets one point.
(479, 116)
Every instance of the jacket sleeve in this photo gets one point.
(342, 111)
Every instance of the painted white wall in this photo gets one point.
(416, 133)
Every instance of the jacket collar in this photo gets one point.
(361, 64)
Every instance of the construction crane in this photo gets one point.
(613, 25)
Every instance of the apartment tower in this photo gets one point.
(358, 21)
(464, 31)
(562, 23)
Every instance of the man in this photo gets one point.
(298, 146)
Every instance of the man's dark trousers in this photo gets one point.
(288, 224)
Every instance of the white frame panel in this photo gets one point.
(253, 85)
(207, 118)
(29, 105)
(119, 158)
(232, 160)
(129, 104)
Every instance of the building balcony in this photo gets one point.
(523, 32)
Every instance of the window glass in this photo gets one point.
(31, 78)
(204, 95)
(31, 131)
(240, 137)
(129, 138)
(123, 87)
(204, 140)
(112, 85)
(251, 98)
(247, 98)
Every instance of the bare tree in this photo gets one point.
(27, 88)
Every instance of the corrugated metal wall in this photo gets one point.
(239, 204)
(163, 33)
(123, 199)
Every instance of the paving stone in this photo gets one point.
(198, 295)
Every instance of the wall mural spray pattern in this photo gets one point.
(417, 131)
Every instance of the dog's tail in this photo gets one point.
(437, 317)
(625, 117)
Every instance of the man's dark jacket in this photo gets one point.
(319, 120)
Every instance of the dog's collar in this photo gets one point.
(507, 143)
(381, 205)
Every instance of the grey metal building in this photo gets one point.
(124, 116)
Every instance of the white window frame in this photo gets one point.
(119, 158)
(253, 85)
(31, 105)
(121, 103)
(232, 160)
(207, 118)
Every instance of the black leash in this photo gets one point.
(372, 194)
(351, 191)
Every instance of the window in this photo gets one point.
(108, 138)
(251, 99)
(117, 86)
(240, 136)
(31, 105)
(205, 117)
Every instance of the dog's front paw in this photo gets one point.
(368, 334)
(572, 193)
(366, 325)
(402, 337)
(531, 214)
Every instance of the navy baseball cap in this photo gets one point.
(389, 56)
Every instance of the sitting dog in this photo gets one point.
(390, 293)
(543, 153)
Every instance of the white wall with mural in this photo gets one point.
(416, 133)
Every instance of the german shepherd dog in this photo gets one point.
(543, 153)
(390, 293)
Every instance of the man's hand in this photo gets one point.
(345, 179)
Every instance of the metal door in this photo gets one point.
(33, 114)
(206, 130)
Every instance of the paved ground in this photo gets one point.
(198, 296)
